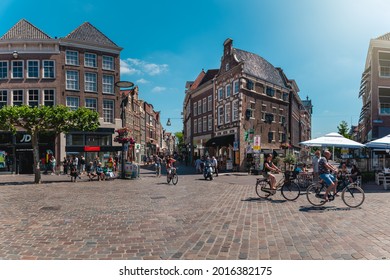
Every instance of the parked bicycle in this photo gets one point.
(352, 195)
(172, 176)
(289, 189)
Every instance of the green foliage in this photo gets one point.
(343, 129)
(368, 177)
(290, 159)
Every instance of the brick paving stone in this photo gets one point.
(149, 219)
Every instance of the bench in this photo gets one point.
(382, 178)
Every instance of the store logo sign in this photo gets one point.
(26, 138)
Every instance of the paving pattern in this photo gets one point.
(196, 219)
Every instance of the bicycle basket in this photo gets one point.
(290, 175)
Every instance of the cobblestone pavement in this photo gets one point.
(196, 219)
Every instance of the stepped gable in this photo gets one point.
(24, 30)
(87, 32)
(385, 37)
(257, 66)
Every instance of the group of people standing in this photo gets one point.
(200, 164)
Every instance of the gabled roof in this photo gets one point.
(210, 74)
(257, 66)
(385, 37)
(87, 32)
(24, 30)
(198, 80)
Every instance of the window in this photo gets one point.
(220, 94)
(235, 110)
(3, 69)
(195, 108)
(227, 67)
(285, 96)
(384, 100)
(108, 84)
(91, 103)
(32, 69)
(270, 91)
(227, 112)
(271, 136)
(90, 82)
(210, 103)
(33, 97)
(72, 80)
(90, 60)
(196, 126)
(75, 140)
(48, 69)
(17, 99)
(17, 69)
(199, 107)
(72, 58)
(249, 85)
(3, 98)
(108, 111)
(236, 87)
(210, 123)
(204, 105)
(204, 123)
(220, 115)
(228, 90)
(200, 125)
(48, 97)
(108, 62)
(72, 102)
(384, 64)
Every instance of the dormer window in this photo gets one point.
(227, 67)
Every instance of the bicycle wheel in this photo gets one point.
(353, 196)
(260, 184)
(315, 194)
(291, 191)
(175, 179)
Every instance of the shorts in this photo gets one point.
(328, 178)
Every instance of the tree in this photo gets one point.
(343, 129)
(35, 120)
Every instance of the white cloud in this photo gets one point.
(142, 81)
(137, 66)
(158, 89)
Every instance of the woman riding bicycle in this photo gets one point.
(268, 167)
(170, 164)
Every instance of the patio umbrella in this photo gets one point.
(334, 140)
(381, 143)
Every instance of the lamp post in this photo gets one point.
(124, 101)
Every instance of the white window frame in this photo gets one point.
(72, 57)
(108, 62)
(4, 66)
(88, 103)
(72, 80)
(108, 84)
(228, 108)
(204, 123)
(49, 96)
(199, 107)
(209, 103)
(48, 69)
(204, 105)
(20, 93)
(200, 125)
(236, 87)
(90, 60)
(210, 122)
(36, 67)
(220, 115)
(108, 111)
(235, 110)
(3, 98)
(90, 82)
(33, 95)
(14, 68)
(73, 102)
(195, 108)
(228, 90)
(220, 93)
(195, 125)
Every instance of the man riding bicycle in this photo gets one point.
(170, 164)
(324, 169)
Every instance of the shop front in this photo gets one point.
(223, 149)
(16, 151)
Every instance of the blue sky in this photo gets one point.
(322, 45)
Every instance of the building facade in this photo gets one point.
(79, 69)
(256, 109)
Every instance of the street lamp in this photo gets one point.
(169, 122)
(124, 101)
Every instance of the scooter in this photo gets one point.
(208, 171)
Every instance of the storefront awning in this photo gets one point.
(220, 141)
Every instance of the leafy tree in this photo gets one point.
(343, 129)
(35, 120)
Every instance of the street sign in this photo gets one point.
(257, 143)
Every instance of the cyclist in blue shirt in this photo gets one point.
(324, 169)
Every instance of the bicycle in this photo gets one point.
(289, 189)
(172, 176)
(352, 195)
